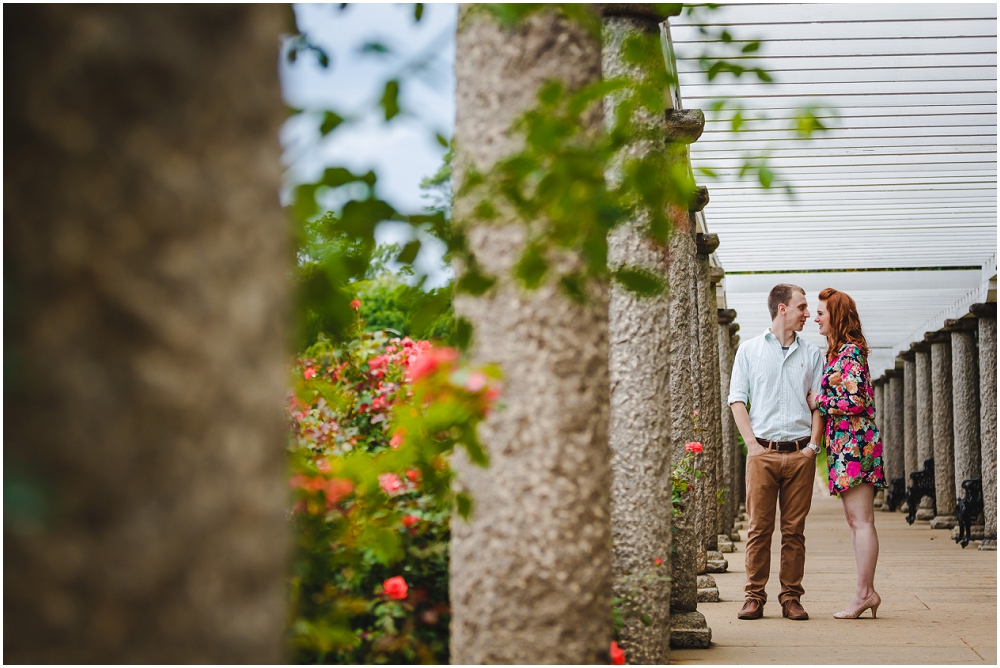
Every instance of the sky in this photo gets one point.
(401, 152)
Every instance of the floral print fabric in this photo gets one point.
(853, 444)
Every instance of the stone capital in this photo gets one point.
(960, 325)
(726, 316)
(984, 310)
(939, 336)
(920, 347)
(684, 125)
(908, 355)
(699, 199)
(707, 243)
(716, 274)
(658, 12)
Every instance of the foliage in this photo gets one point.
(374, 422)
(390, 303)
(556, 184)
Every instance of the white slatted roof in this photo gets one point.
(906, 179)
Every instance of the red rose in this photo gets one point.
(397, 438)
(390, 483)
(617, 655)
(694, 446)
(410, 520)
(356, 304)
(658, 561)
(338, 488)
(429, 360)
(309, 372)
(396, 588)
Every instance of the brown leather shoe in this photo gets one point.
(794, 610)
(752, 609)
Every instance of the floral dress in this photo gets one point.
(853, 444)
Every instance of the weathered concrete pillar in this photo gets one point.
(730, 447)
(740, 462)
(944, 449)
(910, 414)
(147, 307)
(879, 387)
(531, 570)
(639, 359)
(987, 314)
(892, 436)
(965, 400)
(710, 417)
(925, 418)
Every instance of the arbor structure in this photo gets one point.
(146, 292)
(531, 569)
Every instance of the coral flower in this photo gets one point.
(309, 372)
(658, 561)
(694, 446)
(397, 438)
(428, 361)
(356, 304)
(396, 588)
(410, 520)
(617, 655)
(476, 381)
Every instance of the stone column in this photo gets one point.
(910, 414)
(710, 417)
(944, 450)
(730, 446)
(925, 418)
(739, 464)
(640, 368)
(987, 314)
(147, 307)
(965, 400)
(530, 570)
(892, 436)
(879, 387)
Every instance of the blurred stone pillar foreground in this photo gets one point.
(987, 314)
(640, 368)
(146, 295)
(893, 432)
(944, 445)
(531, 569)
(730, 446)
(910, 414)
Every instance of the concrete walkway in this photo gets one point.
(939, 602)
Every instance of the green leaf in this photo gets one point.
(374, 47)
(463, 502)
(532, 267)
(763, 75)
(390, 99)
(751, 47)
(330, 123)
(442, 140)
(640, 281)
(474, 282)
(646, 619)
(766, 176)
(418, 11)
(463, 334)
(409, 253)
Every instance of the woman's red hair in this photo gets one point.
(845, 324)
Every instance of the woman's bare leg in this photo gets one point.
(859, 508)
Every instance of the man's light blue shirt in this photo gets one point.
(775, 385)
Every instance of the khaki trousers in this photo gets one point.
(774, 478)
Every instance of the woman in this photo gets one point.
(853, 444)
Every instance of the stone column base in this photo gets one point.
(989, 544)
(925, 514)
(944, 522)
(716, 562)
(976, 531)
(689, 630)
(725, 544)
(879, 498)
(708, 591)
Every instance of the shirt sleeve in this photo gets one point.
(739, 383)
(849, 397)
(818, 367)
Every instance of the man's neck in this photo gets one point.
(784, 333)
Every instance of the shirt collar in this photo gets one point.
(769, 333)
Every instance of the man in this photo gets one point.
(772, 374)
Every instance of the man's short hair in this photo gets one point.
(781, 294)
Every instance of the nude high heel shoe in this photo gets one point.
(872, 602)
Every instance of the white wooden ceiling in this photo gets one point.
(905, 179)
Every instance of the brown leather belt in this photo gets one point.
(784, 446)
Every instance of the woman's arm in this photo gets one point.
(845, 397)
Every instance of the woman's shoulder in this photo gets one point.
(850, 349)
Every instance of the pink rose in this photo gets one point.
(844, 424)
(842, 404)
(390, 483)
(853, 469)
(476, 381)
(877, 450)
(869, 435)
(356, 304)
(694, 446)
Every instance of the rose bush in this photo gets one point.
(373, 424)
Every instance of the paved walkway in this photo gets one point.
(939, 602)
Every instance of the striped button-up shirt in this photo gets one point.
(774, 385)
